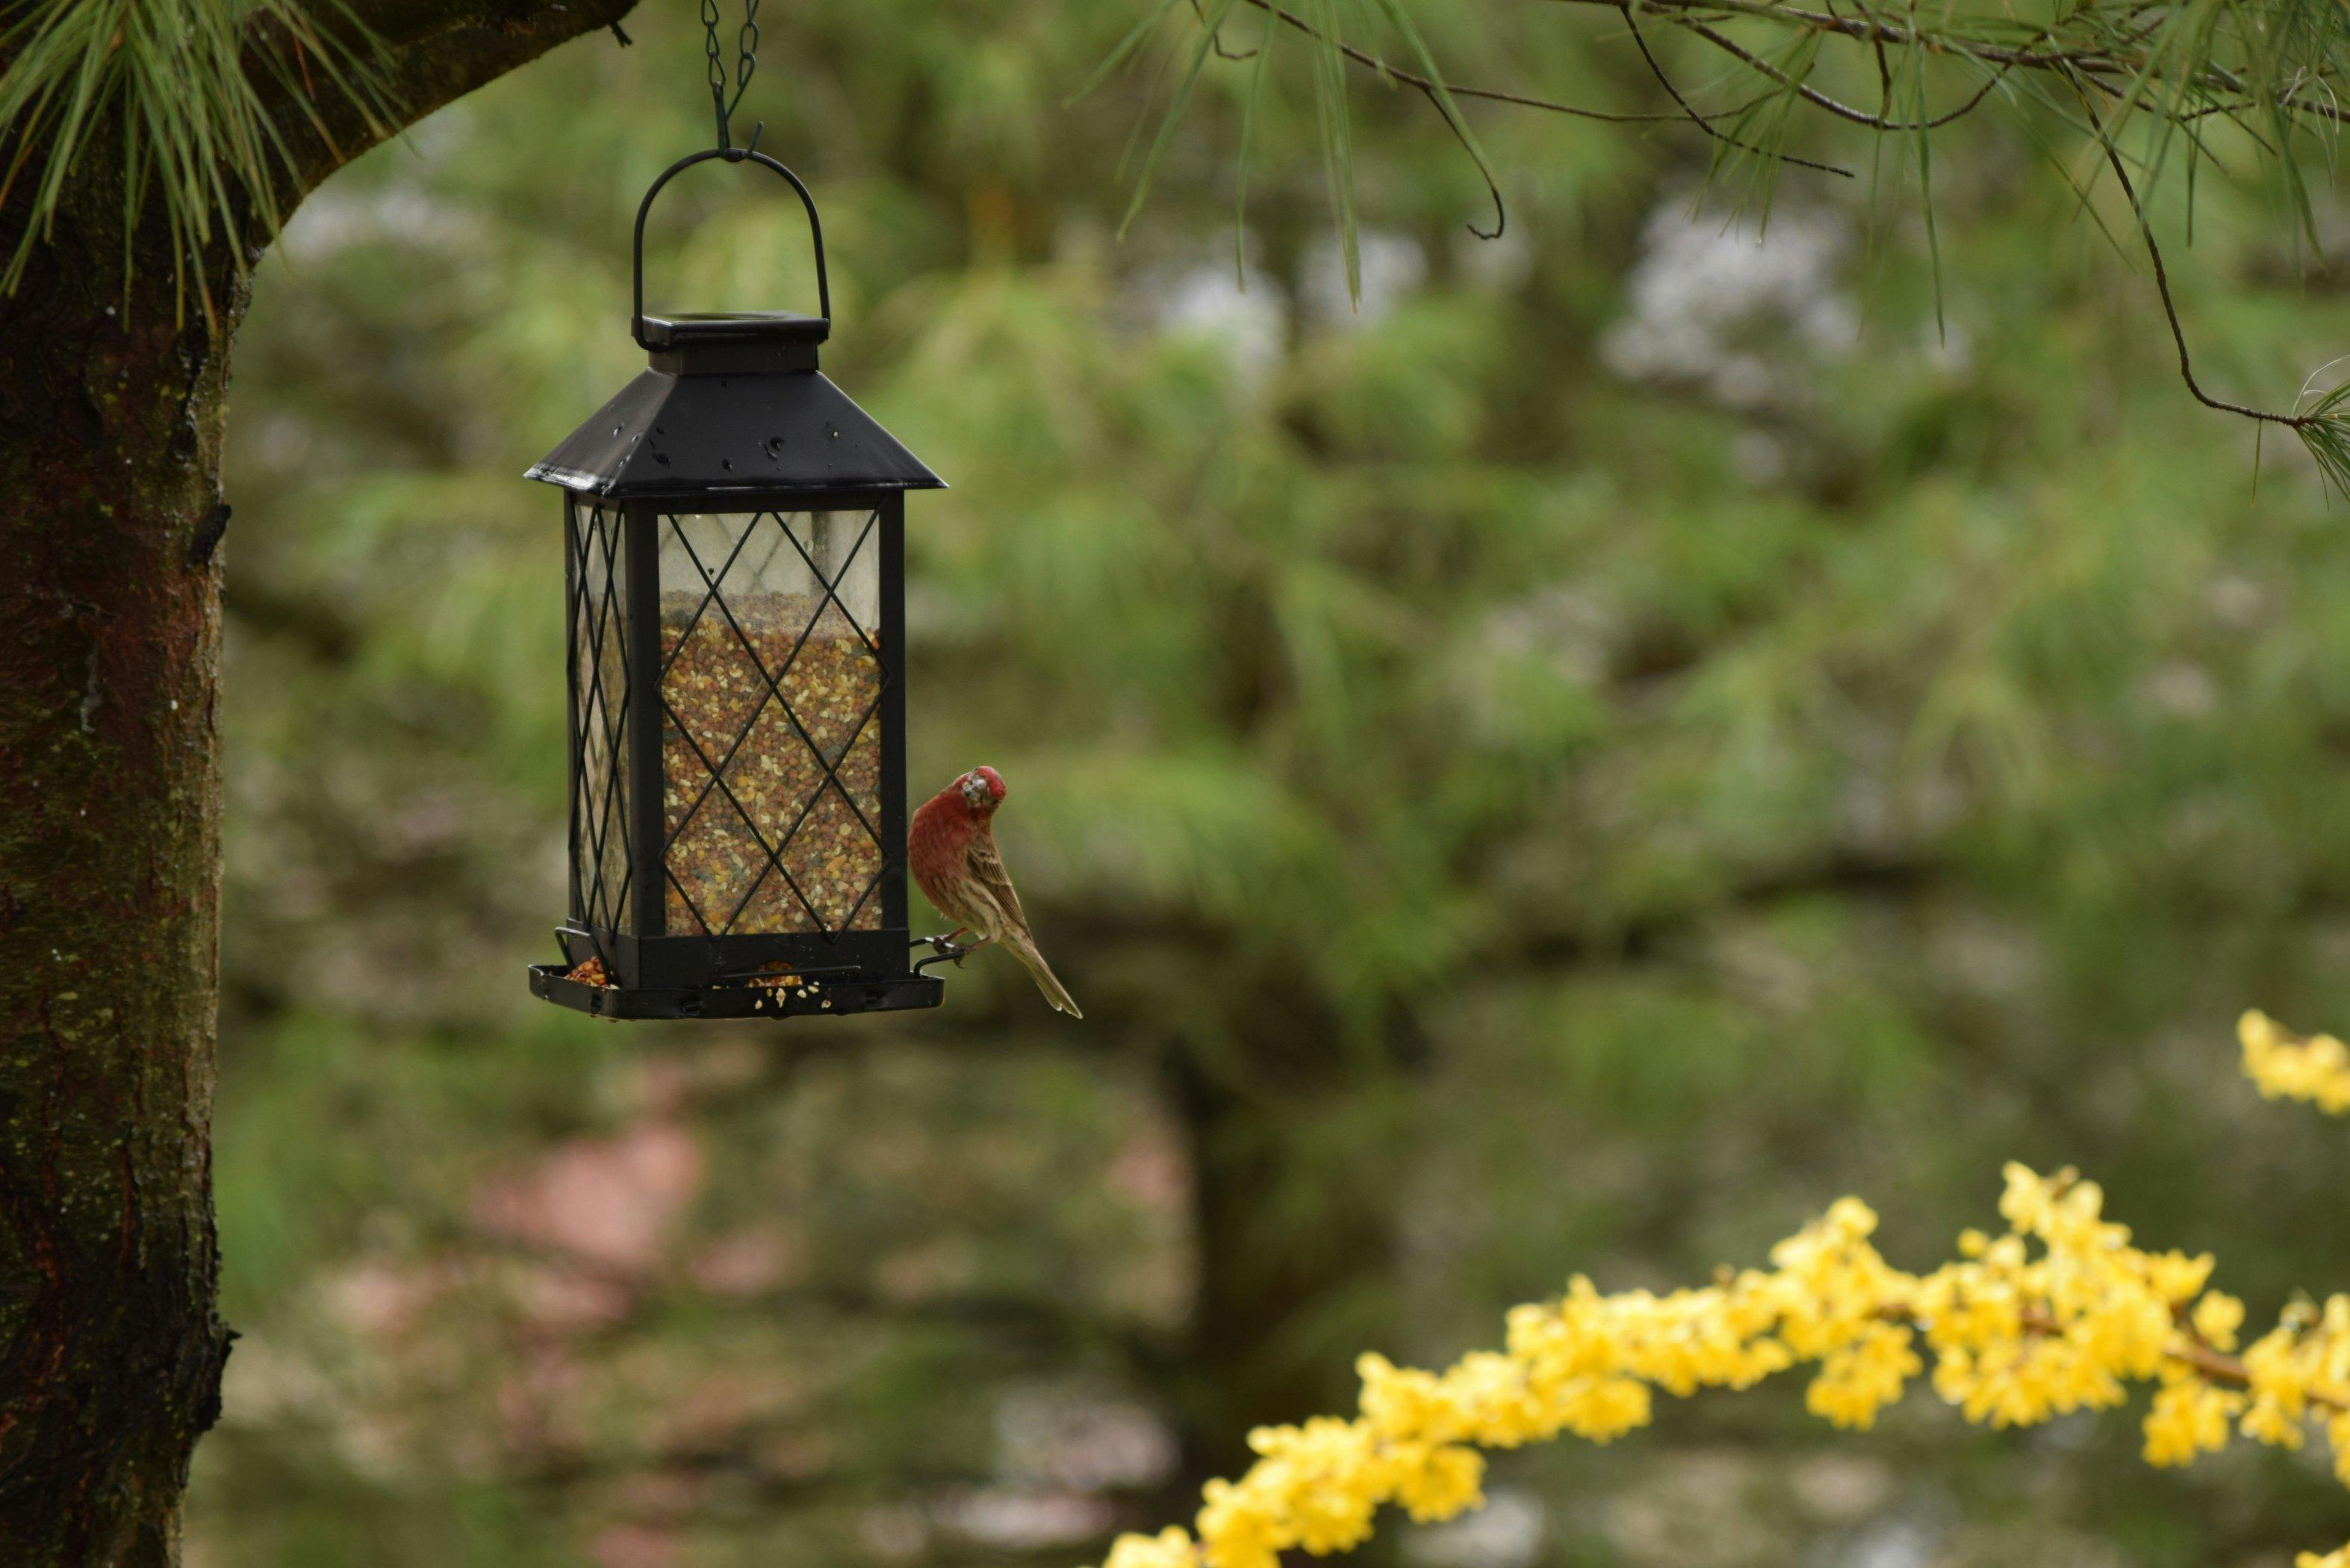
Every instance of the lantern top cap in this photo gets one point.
(734, 403)
(709, 342)
(732, 326)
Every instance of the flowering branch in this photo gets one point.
(2060, 1314)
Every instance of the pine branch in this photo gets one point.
(2268, 68)
(1657, 70)
(214, 117)
(2324, 432)
(1489, 95)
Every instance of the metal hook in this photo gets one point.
(946, 951)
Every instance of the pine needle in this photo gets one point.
(176, 80)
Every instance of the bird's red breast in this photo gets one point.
(938, 840)
(935, 845)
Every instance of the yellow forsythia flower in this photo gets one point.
(2285, 1065)
(2217, 1318)
(1171, 1548)
(2190, 1418)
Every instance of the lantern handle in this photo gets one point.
(732, 155)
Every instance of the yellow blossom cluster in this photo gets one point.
(2316, 1069)
(2289, 1066)
(2059, 1313)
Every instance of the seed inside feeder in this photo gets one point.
(771, 742)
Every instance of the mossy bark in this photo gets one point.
(112, 404)
(109, 905)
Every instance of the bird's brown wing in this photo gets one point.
(992, 884)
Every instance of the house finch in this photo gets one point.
(953, 855)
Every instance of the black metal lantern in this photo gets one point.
(735, 577)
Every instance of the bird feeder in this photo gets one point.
(734, 572)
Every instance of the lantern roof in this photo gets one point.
(732, 402)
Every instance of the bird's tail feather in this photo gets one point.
(1046, 981)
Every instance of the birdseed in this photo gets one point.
(777, 792)
(590, 971)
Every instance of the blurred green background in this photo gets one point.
(1572, 764)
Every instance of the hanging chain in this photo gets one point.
(746, 62)
(717, 70)
(746, 44)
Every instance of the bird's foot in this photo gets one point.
(943, 950)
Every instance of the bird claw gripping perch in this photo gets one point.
(943, 950)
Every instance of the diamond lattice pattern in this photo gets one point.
(771, 709)
(599, 719)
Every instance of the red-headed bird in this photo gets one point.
(953, 855)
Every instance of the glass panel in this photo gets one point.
(771, 693)
(600, 711)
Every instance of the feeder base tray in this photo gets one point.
(819, 998)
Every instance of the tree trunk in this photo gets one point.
(109, 903)
(111, 411)
(1297, 1247)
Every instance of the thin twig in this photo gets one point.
(1435, 94)
(2162, 281)
(1700, 121)
(1883, 67)
(2093, 62)
(2116, 66)
(1461, 134)
(1813, 96)
(1489, 95)
(1872, 29)
(1216, 39)
(2097, 63)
